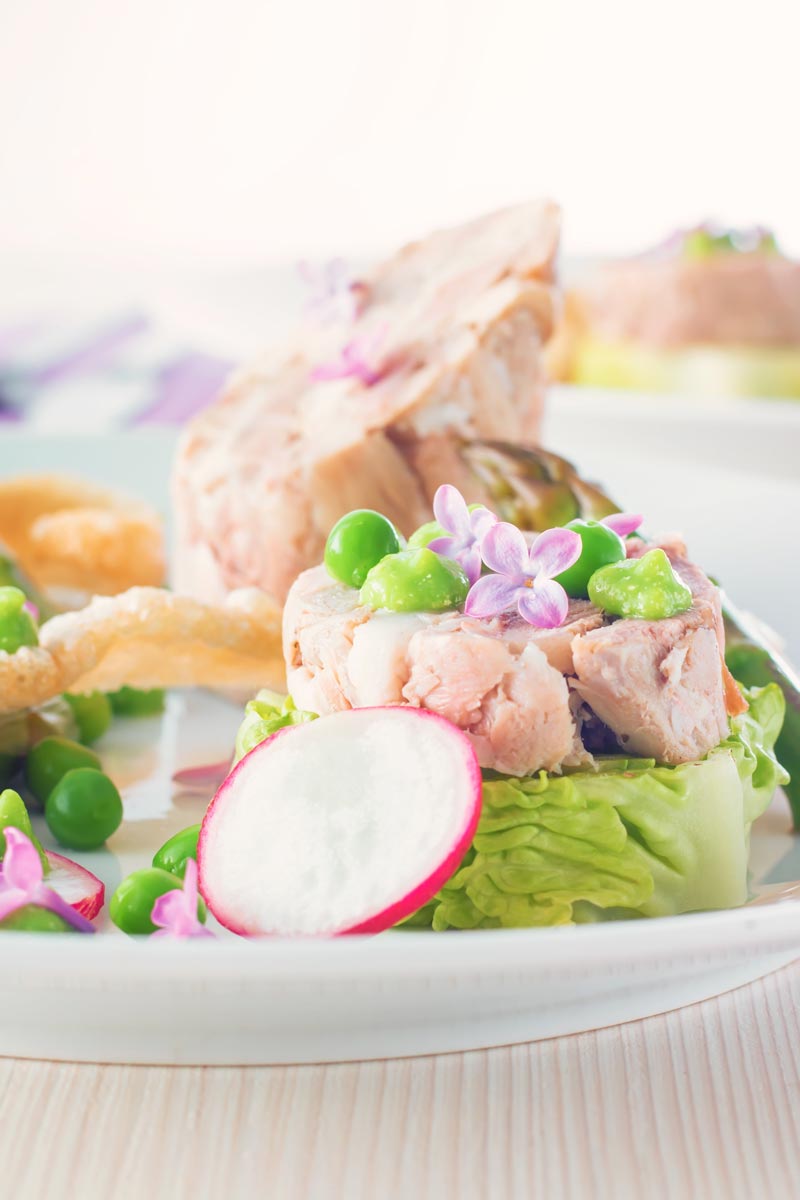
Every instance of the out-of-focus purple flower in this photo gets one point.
(623, 523)
(358, 359)
(175, 913)
(205, 778)
(466, 529)
(22, 882)
(523, 577)
(334, 293)
(30, 608)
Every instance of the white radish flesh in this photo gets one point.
(81, 890)
(345, 825)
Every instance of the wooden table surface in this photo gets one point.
(704, 1103)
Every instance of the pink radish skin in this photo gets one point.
(445, 741)
(82, 890)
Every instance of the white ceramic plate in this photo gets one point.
(111, 999)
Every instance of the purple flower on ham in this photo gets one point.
(358, 359)
(623, 523)
(523, 577)
(333, 293)
(22, 882)
(175, 912)
(465, 530)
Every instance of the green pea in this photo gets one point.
(50, 759)
(17, 626)
(415, 581)
(645, 587)
(13, 812)
(131, 906)
(356, 543)
(137, 702)
(176, 850)
(32, 919)
(599, 547)
(83, 809)
(92, 715)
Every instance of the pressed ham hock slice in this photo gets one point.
(521, 694)
(456, 322)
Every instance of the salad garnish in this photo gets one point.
(524, 578)
(22, 883)
(465, 529)
(175, 913)
(415, 581)
(134, 905)
(358, 359)
(646, 587)
(623, 523)
(333, 292)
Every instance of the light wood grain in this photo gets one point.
(702, 1103)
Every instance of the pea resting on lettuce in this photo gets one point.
(14, 813)
(631, 840)
(265, 715)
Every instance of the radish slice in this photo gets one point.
(82, 890)
(345, 825)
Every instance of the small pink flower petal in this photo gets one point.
(554, 551)
(623, 523)
(491, 596)
(446, 546)
(545, 604)
(22, 867)
(169, 910)
(481, 520)
(176, 911)
(450, 510)
(505, 551)
(204, 778)
(470, 562)
(30, 608)
(357, 360)
(467, 557)
(10, 901)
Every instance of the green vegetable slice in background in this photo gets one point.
(92, 713)
(137, 702)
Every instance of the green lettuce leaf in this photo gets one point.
(265, 715)
(631, 839)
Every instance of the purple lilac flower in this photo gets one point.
(466, 529)
(333, 292)
(175, 912)
(358, 359)
(32, 610)
(623, 523)
(523, 578)
(22, 882)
